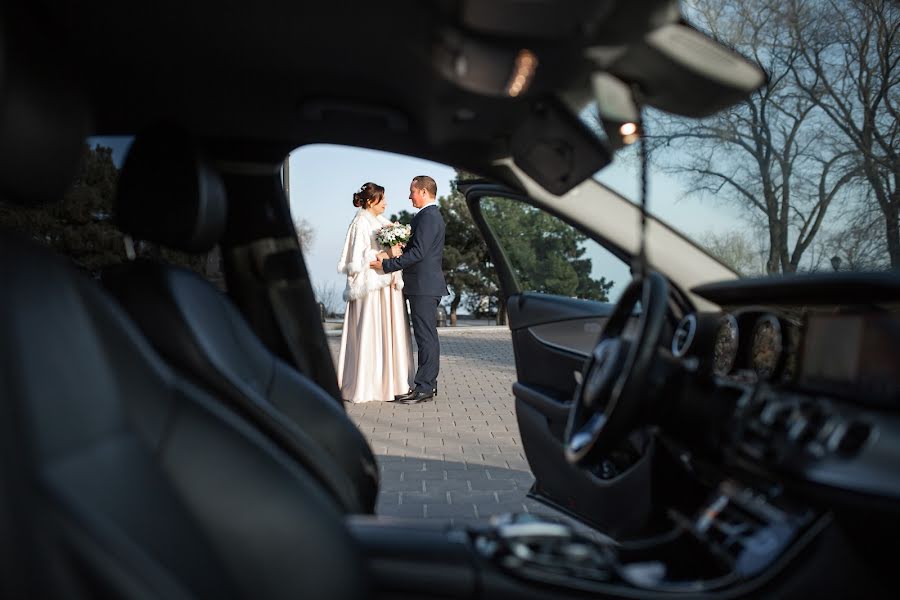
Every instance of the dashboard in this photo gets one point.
(746, 343)
(852, 354)
(804, 375)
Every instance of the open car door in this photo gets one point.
(556, 284)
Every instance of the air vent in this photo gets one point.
(684, 335)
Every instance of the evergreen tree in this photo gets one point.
(546, 253)
(81, 226)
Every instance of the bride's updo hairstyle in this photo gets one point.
(370, 193)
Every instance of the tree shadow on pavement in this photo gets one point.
(460, 492)
(483, 349)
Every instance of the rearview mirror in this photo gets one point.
(553, 147)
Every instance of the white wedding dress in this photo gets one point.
(375, 359)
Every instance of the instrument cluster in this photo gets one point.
(746, 343)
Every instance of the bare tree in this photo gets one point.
(849, 67)
(330, 296)
(770, 154)
(305, 234)
(736, 250)
(859, 244)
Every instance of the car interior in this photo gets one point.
(163, 438)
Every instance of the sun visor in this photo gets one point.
(682, 71)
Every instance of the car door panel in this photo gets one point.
(554, 410)
(552, 337)
(529, 309)
(579, 336)
(617, 507)
(553, 346)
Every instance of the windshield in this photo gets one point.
(803, 175)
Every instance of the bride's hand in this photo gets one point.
(395, 251)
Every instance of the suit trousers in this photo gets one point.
(423, 313)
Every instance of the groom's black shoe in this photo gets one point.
(417, 397)
(400, 397)
(410, 394)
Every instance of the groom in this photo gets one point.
(423, 281)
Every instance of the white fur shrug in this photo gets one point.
(360, 248)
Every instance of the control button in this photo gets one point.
(828, 428)
(712, 511)
(521, 550)
(767, 414)
(837, 434)
(798, 429)
(644, 574)
(578, 552)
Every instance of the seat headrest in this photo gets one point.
(170, 194)
(44, 114)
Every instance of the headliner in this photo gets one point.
(257, 79)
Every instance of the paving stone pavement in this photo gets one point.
(458, 457)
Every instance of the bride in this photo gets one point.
(375, 359)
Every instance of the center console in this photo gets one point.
(835, 446)
(716, 535)
(732, 538)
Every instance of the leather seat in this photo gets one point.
(169, 194)
(119, 477)
(155, 485)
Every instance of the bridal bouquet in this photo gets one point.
(393, 234)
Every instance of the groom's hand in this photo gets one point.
(376, 264)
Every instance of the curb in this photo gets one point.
(444, 330)
(467, 328)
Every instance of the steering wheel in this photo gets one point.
(613, 391)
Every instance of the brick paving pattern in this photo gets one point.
(458, 457)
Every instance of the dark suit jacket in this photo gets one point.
(421, 259)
